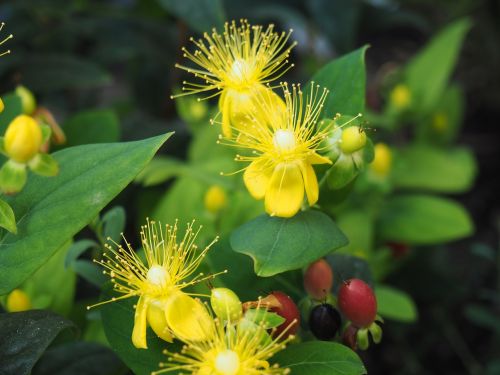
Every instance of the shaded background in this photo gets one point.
(119, 55)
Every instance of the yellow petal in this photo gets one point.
(310, 182)
(315, 158)
(256, 178)
(285, 192)
(225, 102)
(139, 331)
(157, 320)
(188, 318)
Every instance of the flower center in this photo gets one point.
(157, 276)
(240, 72)
(227, 362)
(284, 140)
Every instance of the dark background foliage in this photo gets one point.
(119, 55)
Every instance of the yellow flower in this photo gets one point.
(237, 64)
(400, 96)
(281, 155)
(158, 282)
(382, 162)
(18, 300)
(234, 350)
(23, 139)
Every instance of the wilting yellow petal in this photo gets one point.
(157, 320)
(139, 332)
(188, 318)
(285, 192)
(256, 178)
(315, 158)
(310, 182)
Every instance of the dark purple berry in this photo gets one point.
(324, 322)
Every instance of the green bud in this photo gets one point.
(226, 304)
(13, 177)
(28, 100)
(353, 139)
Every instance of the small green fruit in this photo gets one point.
(226, 304)
(353, 139)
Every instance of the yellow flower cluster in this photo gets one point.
(280, 137)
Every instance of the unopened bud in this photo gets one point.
(23, 139)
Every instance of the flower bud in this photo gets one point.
(28, 100)
(382, 162)
(23, 139)
(215, 199)
(18, 300)
(226, 304)
(353, 139)
(400, 96)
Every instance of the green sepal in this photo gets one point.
(264, 317)
(246, 326)
(362, 339)
(376, 332)
(13, 177)
(46, 132)
(7, 217)
(44, 165)
(342, 172)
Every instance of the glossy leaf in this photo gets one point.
(114, 223)
(395, 304)
(7, 217)
(277, 245)
(433, 169)
(25, 336)
(320, 358)
(82, 358)
(423, 220)
(71, 200)
(345, 77)
(427, 73)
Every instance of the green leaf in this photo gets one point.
(427, 73)
(89, 271)
(114, 223)
(44, 165)
(54, 281)
(345, 77)
(159, 170)
(320, 358)
(52, 210)
(25, 336)
(82, 358)
(7, 217)
(423, 220)
(277, 245)
(118, 321)
(77, 249)
(13, 108)
(395, 304)
(262, 316)
(200, 15)
(432, 169)
(47, 73)
(357, 225)
(93, 126)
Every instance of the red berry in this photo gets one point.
(318, 279)
(398, 249)
(284, 306)
(357, 302)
